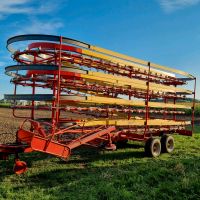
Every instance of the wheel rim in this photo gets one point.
(156, 149)
(170, 145)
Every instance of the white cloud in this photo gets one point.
(28, 7)
(38, 16)
(173, 5)
(35, 26)
(14, 7)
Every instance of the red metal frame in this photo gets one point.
(49, 137)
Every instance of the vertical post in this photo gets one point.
(165, 109)
(33, 92)
(14, 102)
(53, 102)
(147, 100)
(193, 105)
(33, 102)
(174, 115)
(54, 93)
(58, 83)
(129, 97)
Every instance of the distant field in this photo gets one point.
(197, 108)
(190, 104)
(5, 105)
(102, 175)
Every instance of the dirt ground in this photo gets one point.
(9, 124)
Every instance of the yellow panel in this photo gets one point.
(136, 60)
(123, 81)
(117, 101)
(119, 61)
(115, 80)
(132, 122)
(106, 100)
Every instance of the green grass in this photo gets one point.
(196, 110)
(123, 174)
(5, 105)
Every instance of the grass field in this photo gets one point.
(5, 105)
(122, 174)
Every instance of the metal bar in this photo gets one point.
(93, 136)
(147, 101)
(193, 104)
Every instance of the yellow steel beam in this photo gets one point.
(133, 122)
(114, 80)
(134, 83)
(106, 100)
(136, 60)
(117, 101)
(120, 61)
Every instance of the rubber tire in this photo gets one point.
(167, 144)
(153, 147)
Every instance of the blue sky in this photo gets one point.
(166, 32)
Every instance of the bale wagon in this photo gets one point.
(115, 98)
